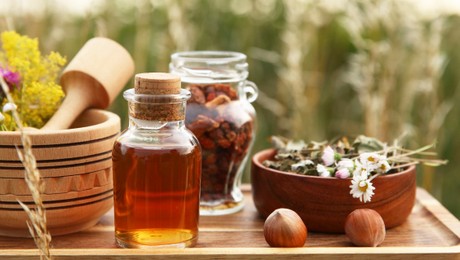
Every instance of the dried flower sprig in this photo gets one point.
(37, 225)
(362, 160)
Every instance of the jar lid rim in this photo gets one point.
(209, 56)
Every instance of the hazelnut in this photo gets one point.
(365, 227)
(285, 228)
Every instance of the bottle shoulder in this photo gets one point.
(177, 138)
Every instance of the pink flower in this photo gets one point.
(346, 163)
(11, 78)
(328, 156)
(342, 173)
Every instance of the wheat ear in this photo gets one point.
(37, 224)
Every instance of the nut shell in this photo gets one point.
(284, 228)
(365, 227)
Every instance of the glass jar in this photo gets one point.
(156, 168)
(221, 116)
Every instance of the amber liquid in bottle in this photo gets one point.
(156, 195)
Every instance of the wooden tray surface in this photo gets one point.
(430, 232)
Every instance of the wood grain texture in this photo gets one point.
(59, 204)
(60, 220)
(324, 203)
(57, 185)
(71, 195)
(60, 171)
(59, 162)
(58, 154)
(429, 232)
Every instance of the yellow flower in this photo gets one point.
(38, 95)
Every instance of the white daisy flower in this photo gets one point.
(9, 107)
(360, 170)
(383, 166)
(370, 161)
(328, 156)
(361, 188)
(323, 171)
(2, 118)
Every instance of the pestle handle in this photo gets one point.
(92, 79)
(78, 97)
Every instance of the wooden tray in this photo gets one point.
(430, 232)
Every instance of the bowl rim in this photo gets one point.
(257, 163)
(109, 126)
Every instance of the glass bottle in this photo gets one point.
(156, 168)
(221, 116)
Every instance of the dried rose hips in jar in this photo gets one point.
(222, 118)
(225, 131)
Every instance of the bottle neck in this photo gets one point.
(147, 110)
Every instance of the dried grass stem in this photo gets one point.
(37, 224)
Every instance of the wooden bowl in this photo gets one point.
(76, 166)
(324, 203)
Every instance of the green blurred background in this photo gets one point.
(387, 69)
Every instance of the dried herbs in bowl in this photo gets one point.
(361, 160)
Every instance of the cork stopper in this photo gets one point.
(157, 96)
(156, 83)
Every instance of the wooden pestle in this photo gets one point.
(92, 79)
